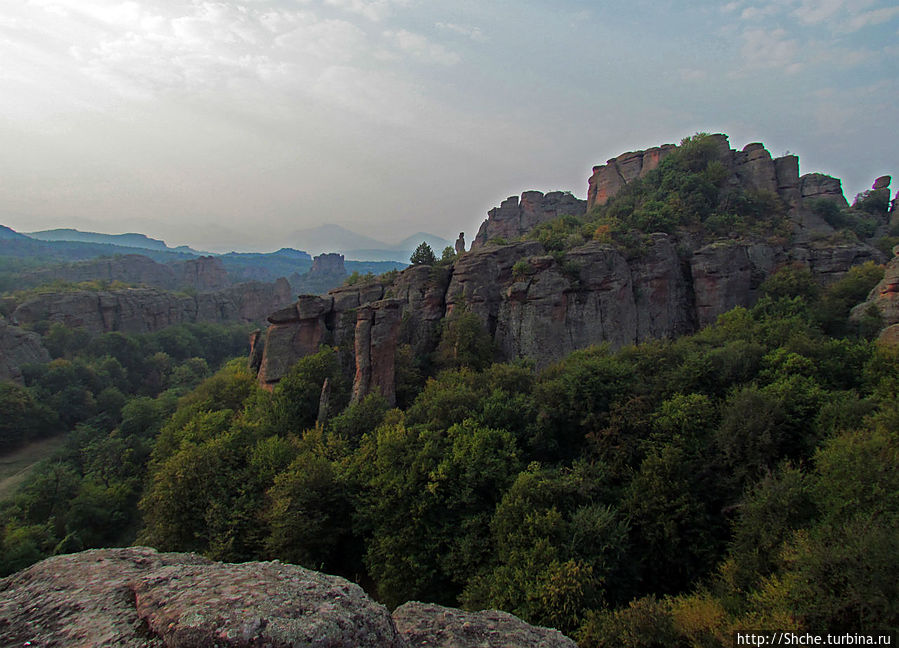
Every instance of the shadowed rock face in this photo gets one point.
(517, 216)
(18, 347)
(144, 310)
(202, 274)
(138, 598)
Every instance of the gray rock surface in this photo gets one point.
(139, 598)
(435, 626)
(517, 216)
(18, 347)
(143, 310)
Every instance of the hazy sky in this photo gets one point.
(232, 124)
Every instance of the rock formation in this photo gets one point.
(330, 263)
(202, 274)
(543, 306)
(138, 598)
(207, 273)
(143, 310)
(425, 624)
(813, 186)
(753, 168)
(515, 216)
(609, 178)
(884, 300)
(18, 347)
(460, 243)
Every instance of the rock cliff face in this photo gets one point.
(138, 598)
(202, 274)
(143, 310)
(543, 306)
(515, 216)
(18, 347)
(752, 168)
(884, 297)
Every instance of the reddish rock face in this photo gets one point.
(885, 297)
(609, 178)
(515, 217)
(377, 325)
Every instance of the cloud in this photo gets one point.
(474, 33)
(374, 10)
(761, 11)
(421, 48)
(873, 17)
(765, 49)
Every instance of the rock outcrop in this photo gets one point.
(202, 274)
(206, 273)
(143, 310)
(139, 598)
(815, 186)
(425, 624)
(517, 216)
(608, 179)
(18, 347)
(884, 300)
(542, 306)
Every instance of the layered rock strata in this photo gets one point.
(202, 274)
(144, 310)
(543, 306)
(516, 216)
(138, 598)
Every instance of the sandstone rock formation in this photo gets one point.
(202, 274)
(813, 186)
(608, 179)
(138, 598)
(542, 306)
(425, 624)
(330, 263)
(205, 273)
(18, 347)
(515, 216)
(143, 310)
(753, 168)
(884, 297)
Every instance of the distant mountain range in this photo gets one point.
(334, 238)
(123, 240)
(315, 240)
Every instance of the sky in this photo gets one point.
(234, 124)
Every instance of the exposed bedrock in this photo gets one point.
(144, 310)
(139, 598)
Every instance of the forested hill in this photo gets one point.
(735, 475)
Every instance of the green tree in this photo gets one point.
(423, 255)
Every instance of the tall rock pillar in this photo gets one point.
(377, 329)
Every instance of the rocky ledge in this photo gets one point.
(138, 598)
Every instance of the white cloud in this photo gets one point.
(474, 33)
(421, 48)
(873, 17)
(770, 49)
(374, 10)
